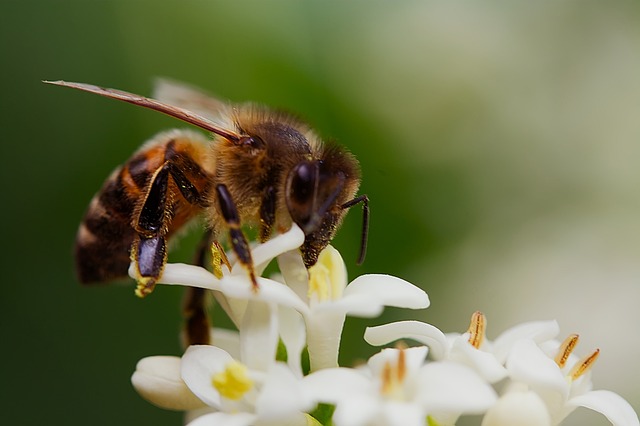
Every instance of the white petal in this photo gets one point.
(324, 330)
(538, 331)
(415, 330)
(609, 404)
(403, 414)
(224, 419)
(282, 395)
(389, 291)
(295, 274)
(447, 387)
(483, 363)
(186, 275)
(157, 379)
(527, 363)
(332, 385)
(228, 340)
(355, 305)
(356, 410)
(265, 252)
(268, 290)
(518, 408)
(199, 364)
(259, 336)
(413, 359)
(294, 337)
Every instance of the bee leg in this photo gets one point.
(365, 223)
(149, 256)
(197, 323)
(238, 240)
(267, 213)
(149, 251)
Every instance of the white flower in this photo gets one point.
(562, 381)
(397, 388)
(250, 389)
(321, 295)
(471, 348)
(241, 395)
(329, 299)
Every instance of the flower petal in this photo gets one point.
(186, 275)
(332, 385)
(518, 408)
(282, 395)
(294, 337)
(263, 253)
(528, 364)
(447, 387)
(355, 410)
(421, 332)
(483, 363)
(413, 359)
(538, 331)
(269, 291)
(199, 364)
(227, 340)
(611, 405)
(295, 274)
(396, 413)
(157, 379)
(224, 419)
(388, 291)
(259, 335)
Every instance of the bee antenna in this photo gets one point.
(365, 224)
(176, 112)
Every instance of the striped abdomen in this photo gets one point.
(105, 236)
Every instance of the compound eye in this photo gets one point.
(303, 181)
(301, 192)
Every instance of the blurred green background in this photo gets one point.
(499, 144)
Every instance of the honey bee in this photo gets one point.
(262, 168)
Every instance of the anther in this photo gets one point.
(566, 348)
(477, 329)
(582, 366)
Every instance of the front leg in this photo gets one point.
(239, 242)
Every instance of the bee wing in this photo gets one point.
(174, 111)
(191, 98)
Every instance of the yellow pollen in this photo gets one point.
(322, 277)
(566, 348)
(584, 365)
(233, 382)
(477, 329)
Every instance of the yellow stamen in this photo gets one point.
(402, 366)
(393, 376)
(233, 382)
(566, 348)
(477, 329)
(584, 365)
(387, 379)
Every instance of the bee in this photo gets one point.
(262, 168)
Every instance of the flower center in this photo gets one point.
(393, 376)
(233, 382)
(580, 367)
(323, 286)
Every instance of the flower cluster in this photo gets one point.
(256, 376)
